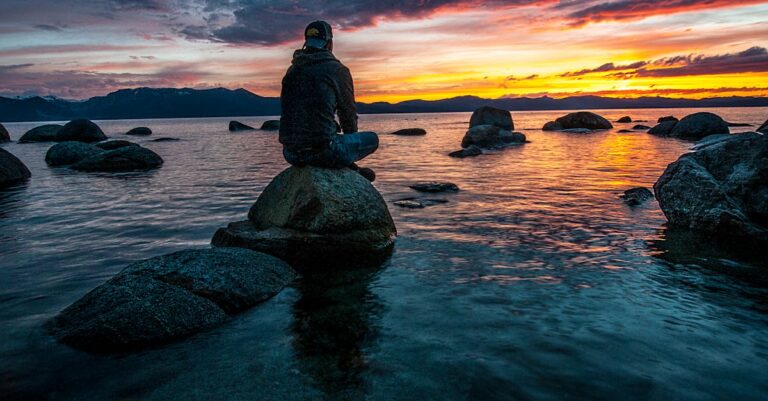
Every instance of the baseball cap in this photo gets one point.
(317, 34)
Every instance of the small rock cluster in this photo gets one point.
(694, 126)
(109, 156)
(489, 128)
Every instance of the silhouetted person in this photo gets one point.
(317, 88)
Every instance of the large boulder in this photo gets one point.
(43, 133)
(70, 152)
(584, 119)
(491, 136)
(316, 217)
(158, 300)
(126, 158)
(410, 132)
(720, 190)
(12, 170)
(663, 128)
(491, 116)
(139, 131)
(235, 126)
(763, 128)
(270, 125)
(4, 135)
(81, 130)
(699, 125)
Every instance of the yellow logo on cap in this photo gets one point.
(312, 32)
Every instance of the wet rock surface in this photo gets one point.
(720, 190)
(637, 196)
(43, 133)
(139, 131)
(70, 152)
(492, 116)
(410, 132)
(317, 218)
(12, 170)
(126, 158)
(162, 299)
(235, 126)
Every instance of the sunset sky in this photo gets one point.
(397, 50)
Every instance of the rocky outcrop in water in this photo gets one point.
(637, 196)
(410, 132)
(236, 126)
(270, 125)
(490, 136)
(667, 118)
(81, 130)
(470, 151)
(552, 126)
(434, 187)
(4, 135)
(43, 133)
(114, 144)
(316, 218)
(625, 119)
(70, 152)
(694, 126)
(491, 116)
(166, 139)
(12, 170)
(158, 300)
(720, 190)
(583, 120)
(126, 158)
(641, 127)
(139, 131)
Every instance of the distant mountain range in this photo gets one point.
(144, 103)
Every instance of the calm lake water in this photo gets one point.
(534, 282)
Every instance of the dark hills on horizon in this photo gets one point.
(145, 103)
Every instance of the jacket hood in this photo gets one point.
(304, 57)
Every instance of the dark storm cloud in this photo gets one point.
(281, 21)
(591, 11)
(605, 68)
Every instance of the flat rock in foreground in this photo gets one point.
(158, 300)
(314, 216)
(12, 170)
(720, 190)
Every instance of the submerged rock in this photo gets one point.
(410, 132)
(4, 135)
(158, 300)
(584, 119)
(127, 158)
(316, 218)
(12, 170)
(720, 190)
(43, 133)
(763, 128)
(70, 152)
(699, 125)
(625, 131)
(552, 126)
(730, 124)
(470, 151)
(114, 144)
(667, 118)
(491, 136)
(492, 116)
(641, 127)
(81, 130)
(434, 187)
(663, 129)
(409, 204)
(166, 139)
(636, 196)
(235, 126)
(139, 131)
(625, 119)
(269, 125)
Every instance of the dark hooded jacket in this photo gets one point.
(316, 88)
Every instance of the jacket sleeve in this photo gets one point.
(346, 108)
